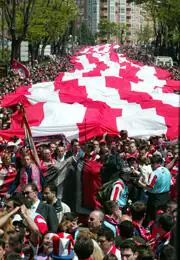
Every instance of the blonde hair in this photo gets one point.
(8, 226)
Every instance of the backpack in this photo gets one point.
(105, 191)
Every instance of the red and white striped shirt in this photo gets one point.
(118, 188)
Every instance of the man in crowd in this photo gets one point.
(138, 211)
(106, 242)
(50, 196)
(47, 159)
(60, 154)
(112, 214)
(47, 211)
(128, 250)
(95, 220)
(74, 148)
(162, 232)
(158, 187)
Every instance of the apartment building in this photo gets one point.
(118, 11)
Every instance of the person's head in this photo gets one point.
(31, 192)
(84, 247)
(126, 229)
(156, 161)
(52, 147)
(143, 150)
(111, 208)
(6, 159)
(47, 155)
(138, 211)
(95, 220)
(50, 193)
(144, 253)
(105, 238)
(96, 145)
(27, 160)
(168, 252)
(75, 145)
(128, 250)
(124, 134)
(164, 223)
(2, 249)
(102, 144)
(47, 242)
(172, 209)
(169, 155)
(15, 243)
(60, 151)
(132, 147)
(110, 257)
(9, 205)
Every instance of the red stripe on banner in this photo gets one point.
(99, 117)
(145, 100)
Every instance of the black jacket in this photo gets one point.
(49, 213)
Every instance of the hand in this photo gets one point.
(151, 242)
(176, 156)
(24, 210)
(7, 196)
(14, 211)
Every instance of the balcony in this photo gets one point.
(103, 13)
(102, 5)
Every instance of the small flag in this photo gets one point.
(21, 69)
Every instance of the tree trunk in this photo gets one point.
(42, 51)
(15, 51)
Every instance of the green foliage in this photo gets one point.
(145, 34)
(85, 36)
(39, 21)
(107, 29)
(51, 19)
(110, 29)
(165, 16)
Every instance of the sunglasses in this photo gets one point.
(27, 192)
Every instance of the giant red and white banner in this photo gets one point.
(105, 92)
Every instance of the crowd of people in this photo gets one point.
(135, 216)
(38, 73)
(135, 202)
(46, 71)
(146, 56)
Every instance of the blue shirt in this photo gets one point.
(160, 180)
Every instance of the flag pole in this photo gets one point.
(85, 131)
(28, 136)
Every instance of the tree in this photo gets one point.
(145, 34)
(17, 14)
(85, 36)
(166, 21)
(50, 21)
(108, 30)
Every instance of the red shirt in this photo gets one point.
(139, 230)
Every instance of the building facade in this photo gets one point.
(118, 11)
